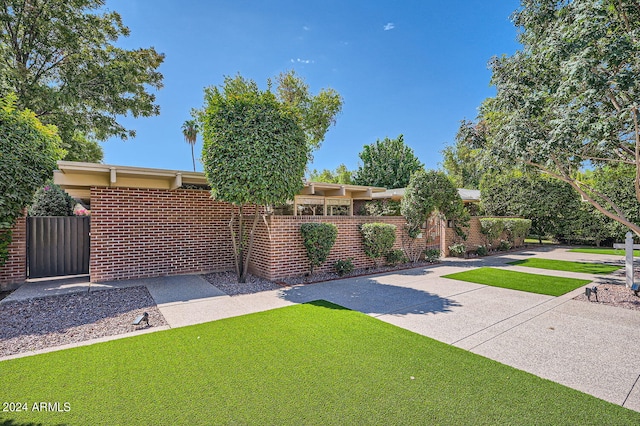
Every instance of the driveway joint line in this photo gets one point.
(508, 318)
(631, 390)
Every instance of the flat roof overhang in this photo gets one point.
(77, 179)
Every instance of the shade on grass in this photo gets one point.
(563, 265)
(533, 283)
(305, 364)
(594, 250)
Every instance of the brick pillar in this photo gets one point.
(14, 271)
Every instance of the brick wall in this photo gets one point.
(279, 251)
(14, 271)
(475, 237)
(138, 233)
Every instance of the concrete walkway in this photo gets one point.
(587, 346)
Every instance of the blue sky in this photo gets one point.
(411, 67)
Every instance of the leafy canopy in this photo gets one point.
(254, 153)
(254, 150)
(388, 163)
(427, 192)
(60, 58)
(340, 175)
(314, 113)
(571, 94)
(461, 162)
(28, 154)
(550, 204)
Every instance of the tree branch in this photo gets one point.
(613, 100)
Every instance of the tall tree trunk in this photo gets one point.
(193, 158)
(245, 267)
(234, 241)
(240, 258)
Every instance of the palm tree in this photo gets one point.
(190, 132)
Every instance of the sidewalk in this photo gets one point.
(586, 346)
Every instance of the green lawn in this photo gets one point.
(533, 283)
(563, 265)
(306, 364)
(599, 250)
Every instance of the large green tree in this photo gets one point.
(60, 58)
(314, 113)
(340, 175)
(387, 163)
(461, 162)
(28, 154)
(550, 204)
(617, 181)
(570, 95)
(254, 155)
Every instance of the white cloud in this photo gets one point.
(389, 26)
(306, 28)
(302, 61)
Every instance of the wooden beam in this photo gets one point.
(308, 190)
(362, 195)
(341, 192)
(177, 181)
(113, 174)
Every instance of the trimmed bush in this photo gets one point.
(318, 239)
(51, 200)
(458, 250)
(432, 255)
(516, 228)
(395, 257)
(481, 251)
(344, 267)
(378, 238)
(491, 228)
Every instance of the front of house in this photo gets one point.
(154, 222)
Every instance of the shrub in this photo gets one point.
(504, 245)
(51, 200)
(378, 238)
(432, 255)
(491, 228)
(516, 228)
(395, 257)
(481, 251)
(458, 250)
(318, 238)
(344, 267)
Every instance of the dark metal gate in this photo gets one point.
(57, 246)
